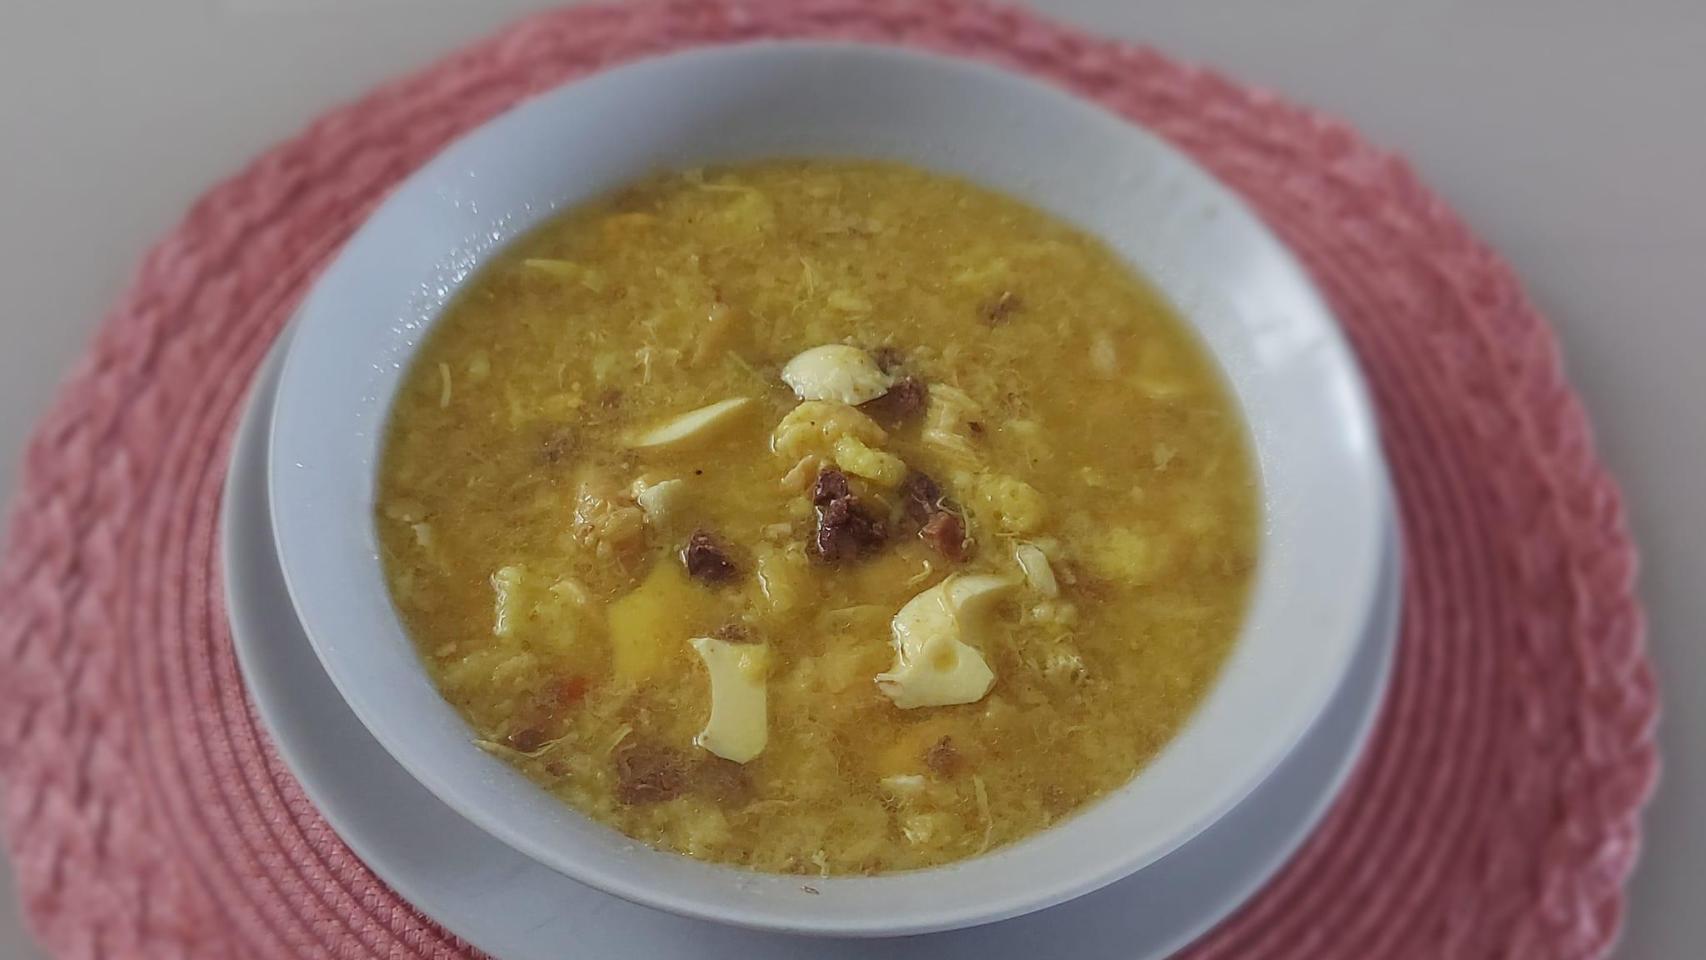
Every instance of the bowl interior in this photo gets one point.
(1311, 427)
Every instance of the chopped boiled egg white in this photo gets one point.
(660, 501)
(738, 727)
(836, 371)
(933, 665)
(1038, 573)
(692, 426)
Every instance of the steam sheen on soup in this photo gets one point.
(817, 517)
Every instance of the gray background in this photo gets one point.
(1570, 133)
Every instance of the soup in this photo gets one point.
(817, 517)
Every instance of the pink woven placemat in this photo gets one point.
(1495, 815)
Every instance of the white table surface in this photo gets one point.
(1570, 133)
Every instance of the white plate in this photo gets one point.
(517, 909)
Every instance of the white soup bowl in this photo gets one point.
(1311, 427)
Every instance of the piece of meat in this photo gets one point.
(846, 530)
(940, 522)
(946, 534)
(567, 692)
(942, 758)
(905, 400)
(830, 485)
(921, 496)
(649, 774)
(724, 781)
(707, 558)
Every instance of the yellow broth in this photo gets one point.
(1070, 415)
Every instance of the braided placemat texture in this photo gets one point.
(1495, 814)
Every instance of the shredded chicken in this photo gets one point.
(612, 524)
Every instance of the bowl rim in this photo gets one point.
(287, 515)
